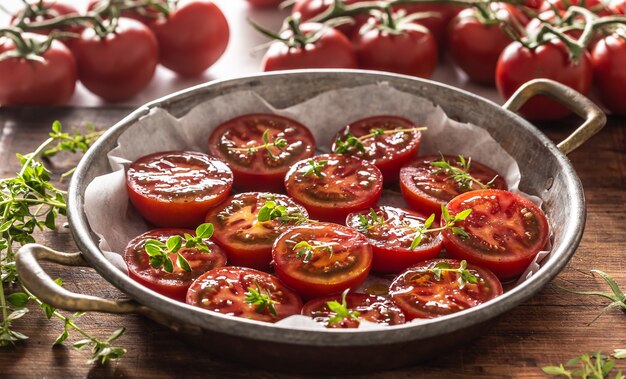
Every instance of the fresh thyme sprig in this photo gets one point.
(349, 144)
(159, 252)
(271, 210)
(588, 366)
(464, 275)
(305, 250)
(451, 222)
(373, 221)
(316, 168)
(461, 174)
(261, 300)
(341, 309)
(280, 143)
(618, 298)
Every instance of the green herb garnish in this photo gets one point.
(256, 297)
(280, 143)
(159, 252)
(451, 222)
(464, 275)
(271, 210)
(341, 310)
(588, 366)
(618, 298)
(460, 175)
(316, 168)
(373, 221)
(349, 144)
(305, 250)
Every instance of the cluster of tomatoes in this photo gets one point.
(113, 49)
(313, 228)
(501, 43)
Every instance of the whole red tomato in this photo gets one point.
(595, 5)
(311, 8)
(608, 58)
(408, 51)
(120, 65)
(192, 37)
(47, 10)
(330, 49)
(146, 15)
(29, 82)
(438, 22)
(518, 64)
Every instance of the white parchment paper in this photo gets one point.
(116, 222)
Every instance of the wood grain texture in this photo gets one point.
(550, 328)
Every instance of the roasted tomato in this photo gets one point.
(505, 231)
(426, 187)
(320, 259)
(171, 284)
(388, 151)
(177, 188)
(359, 306)
(259, 148)
(244, 292)
(330, 186)
(247, 241)
(440, 287)
(391, 231)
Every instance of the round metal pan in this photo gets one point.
(546, 172)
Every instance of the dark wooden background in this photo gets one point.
(552, 327)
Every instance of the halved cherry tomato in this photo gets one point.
(247, 241)
(330, 186)
(263, 169)
(388, 152)
(426, 188)
(391, 234)
(177, 188)
(420, 294)
(171, 284)
(320, 259)
(225, 289)
(505, 231)
(376, 309)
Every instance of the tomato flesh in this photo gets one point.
(391, 239)
(224, 289)
(247, 241)
(420, 295)
(263, 169)
(176, 283)
(388, 152)
(425, 189)
(177, 188)
(376, 309)
(326, 271)
(346, 184)
(505, 231)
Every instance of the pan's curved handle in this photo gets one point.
(579, 104)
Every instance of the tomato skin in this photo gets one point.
(412, 52)
(223, 290)
(438, 25)
(119, 66)
(192, 38)
(376, 309)
(260, 171)
(247, 241)
(331, 50)
(25, 82)
(54, 9)
(265, 3)
(347, 185)
(391, 241)
(174, 203)
(420, 295)
(561, 5)
(426, 191)
(506, 231)
(517, 65)
(151, 13)
(608, 58)
(325, 273)
(311, 8)
(176, 283)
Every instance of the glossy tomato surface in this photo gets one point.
(505, 231)
(192, 37)
(609, 60)
(28, 82)
(342, 184)
(46, 10)
(309, 9)
(595, 5)
(171, 284)
(376, 309)
(146, 15)
(390, 233)
(518, 64)
(177, 188)
(331, 50)
(339, 258)
(120, 65)
(224, 290)
(426, 188)
(419, 293)
(438, 21)
(262, 169)
(247, 241)
(388, 152)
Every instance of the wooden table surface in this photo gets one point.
(550, 328)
